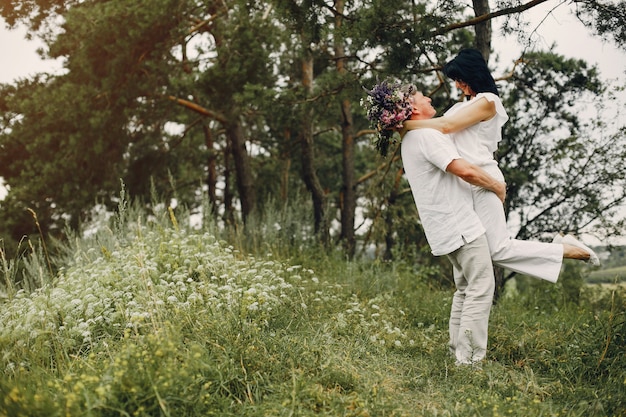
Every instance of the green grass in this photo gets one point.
(152, 319)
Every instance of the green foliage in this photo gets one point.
(616, 256)
(568, 344)
(185, 96)
(607, 19)
(554, 160)
(152, 317)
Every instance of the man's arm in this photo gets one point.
(477, 176)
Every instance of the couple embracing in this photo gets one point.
(459, 192)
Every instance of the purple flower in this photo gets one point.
(387, 108)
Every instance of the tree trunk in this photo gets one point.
(211, 180)
(500, 281)
(245, 182)
(348, 206)
(389, 217)
(284, 177)
(229, 210)
(309, 174)
(483, 29)
(348, 188)
(311, 180)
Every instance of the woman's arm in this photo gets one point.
(477, 112)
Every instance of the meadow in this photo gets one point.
(150, 317)
(608, 275)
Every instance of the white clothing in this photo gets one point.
(444, 201)
(538, 259)
(471, 303)
(477, 144)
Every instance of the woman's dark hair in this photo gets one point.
(470, 67)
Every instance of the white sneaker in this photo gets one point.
(571, 240)
(477, 366)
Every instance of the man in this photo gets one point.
(440, 181)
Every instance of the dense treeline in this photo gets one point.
(255, 104)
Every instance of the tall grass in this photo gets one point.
(151, 317)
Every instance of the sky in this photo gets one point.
(559, 27)
(572, 39)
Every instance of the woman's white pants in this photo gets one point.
(537, 259)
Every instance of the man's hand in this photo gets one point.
(477, 176)
(501, 191)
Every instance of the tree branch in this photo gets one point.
(198, 109)
(488, 16)
(383, 166)
(364, 132)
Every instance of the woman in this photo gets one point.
(475, 126)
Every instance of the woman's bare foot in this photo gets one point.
(574, 249)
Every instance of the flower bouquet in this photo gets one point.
(387, 108)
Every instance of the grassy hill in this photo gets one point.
(148, 318)
(609, 275)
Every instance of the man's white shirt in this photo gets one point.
(443, 200)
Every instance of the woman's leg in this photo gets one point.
(575, 249)
(537, 259)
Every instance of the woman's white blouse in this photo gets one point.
(478, 143)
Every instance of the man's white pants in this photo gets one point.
(537, 259)
(471, 304)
